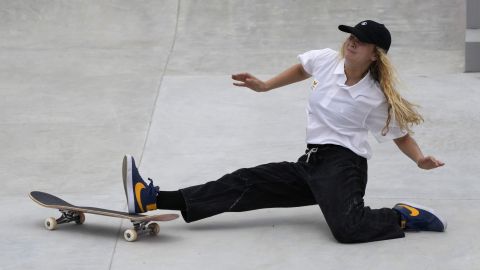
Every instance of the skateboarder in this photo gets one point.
(353, 92)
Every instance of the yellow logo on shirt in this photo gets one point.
(314, 84)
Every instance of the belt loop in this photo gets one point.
(313, 150)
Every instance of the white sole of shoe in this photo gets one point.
(444, 221)
(128, 182)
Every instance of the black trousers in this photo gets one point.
(328, 175)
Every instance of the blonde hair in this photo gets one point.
(403, 111)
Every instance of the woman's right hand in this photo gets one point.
(250, 81)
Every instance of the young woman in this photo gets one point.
(353, 92)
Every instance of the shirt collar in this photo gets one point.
(365, 87)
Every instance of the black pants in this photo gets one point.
(329, 175)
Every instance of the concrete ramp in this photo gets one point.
(84, 82)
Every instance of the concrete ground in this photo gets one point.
(84, 82)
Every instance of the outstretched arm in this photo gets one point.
(410, 148)
(293, 74)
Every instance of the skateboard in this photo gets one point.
(72, 213)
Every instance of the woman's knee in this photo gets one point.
(345, 237)
(347, 229)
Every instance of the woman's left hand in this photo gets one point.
(429, 162)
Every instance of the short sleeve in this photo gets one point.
(377, 119)
(313, 60)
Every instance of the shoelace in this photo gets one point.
(156, 188)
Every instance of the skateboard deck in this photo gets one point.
(72, 213)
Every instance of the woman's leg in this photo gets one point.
(270, 185)
(171, 200)
(338, 181)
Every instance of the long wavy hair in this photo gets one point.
(401, 109)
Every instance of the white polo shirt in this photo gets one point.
(340, 114)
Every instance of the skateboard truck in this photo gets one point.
(67, 216)
(141, 227)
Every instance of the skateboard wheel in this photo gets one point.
(130, 235)
(51, 223)
(81, 218)
(154, 228)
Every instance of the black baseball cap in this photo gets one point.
(370, 32)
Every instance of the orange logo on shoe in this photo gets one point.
(138, 189)
(413, 211)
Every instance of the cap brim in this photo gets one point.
(355, 32)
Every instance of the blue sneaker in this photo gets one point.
(415, 217)
(141, 197)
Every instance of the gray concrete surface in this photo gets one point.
(84, 82)
(473, 10)
(472, 50)
(472, 36)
